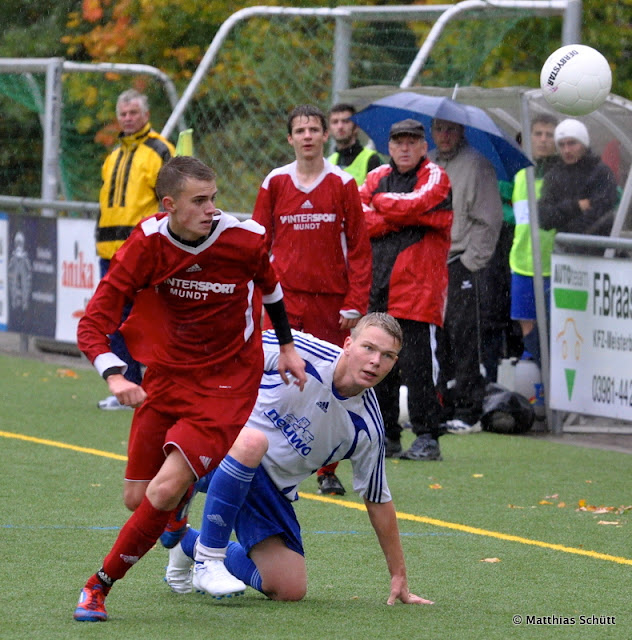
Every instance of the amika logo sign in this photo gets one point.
(78, 273)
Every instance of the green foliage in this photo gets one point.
(260, 73)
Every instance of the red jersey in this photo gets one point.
(317, 234)
(195, 316)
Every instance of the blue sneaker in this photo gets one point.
(91, 607)
(178, 521)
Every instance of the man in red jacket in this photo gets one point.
(408, 209)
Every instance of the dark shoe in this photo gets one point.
(423, 448)
(393, 448)
(328, 484)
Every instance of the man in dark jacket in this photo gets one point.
(408, 209)
(579, 193)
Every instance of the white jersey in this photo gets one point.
(314, 427)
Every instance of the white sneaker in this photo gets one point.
(212, 577)
(112, 404)
(459, 427)
(179, 570)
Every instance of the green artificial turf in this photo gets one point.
(62, 507)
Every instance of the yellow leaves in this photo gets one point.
(66, 373)
(584, 506)
(436, 485)
(477, 475)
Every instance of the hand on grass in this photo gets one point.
(399, 591)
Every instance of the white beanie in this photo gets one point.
(570, 128)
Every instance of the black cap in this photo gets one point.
(408, 127)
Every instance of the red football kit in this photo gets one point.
(320, 248)
(195, 324)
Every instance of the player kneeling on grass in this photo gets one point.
(291, 434)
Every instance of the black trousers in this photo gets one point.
(460, 382)
(417, 368)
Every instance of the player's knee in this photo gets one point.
(287, 593)
(250, 447)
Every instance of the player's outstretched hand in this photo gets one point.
(290, 361)
(399, 591)
(126, 392)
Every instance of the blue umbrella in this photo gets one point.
(480, 130)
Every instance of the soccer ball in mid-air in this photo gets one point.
(576, 79)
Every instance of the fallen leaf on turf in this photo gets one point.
(435, 486)
(66, 373)
(95, 485)
(545, 502)
(490, 560)
(355, 597)
(583, 506)
(615, 522)
(477, 475)
(513, 506)
(561, 504)
(553, 497)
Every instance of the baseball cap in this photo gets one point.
(407, 127)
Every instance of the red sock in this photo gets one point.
(137, 537)
(330, 468)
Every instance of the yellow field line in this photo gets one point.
(360, 507)
(62, 445)
(474, 530)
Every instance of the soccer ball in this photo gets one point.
(576, 79)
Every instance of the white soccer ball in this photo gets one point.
(576, 79)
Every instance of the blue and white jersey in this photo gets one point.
(309, 429)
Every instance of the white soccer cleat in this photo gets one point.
(179, 570)
(212, 577)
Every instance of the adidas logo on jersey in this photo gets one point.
(206, 461)
(194, 268)
(323, 406)
(307, 205)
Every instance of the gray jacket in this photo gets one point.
(478, 212)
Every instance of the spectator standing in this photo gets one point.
(579, 193)
(496, 325)
(192, 271)
(350, 155)
(521, 255)
(316, 234)
(477, 221)
(408, 210)
(127, 196)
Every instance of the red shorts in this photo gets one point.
(315, 313)
(202, 426)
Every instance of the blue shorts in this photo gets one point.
(266, 512)
(523, 296)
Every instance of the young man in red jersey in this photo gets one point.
(318, 241)
(192, 274)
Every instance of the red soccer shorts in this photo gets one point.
(202, 425)
(315, 313)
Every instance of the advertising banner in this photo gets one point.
(31, 273)
(4, 259)
(591, 336)
(77, 274)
